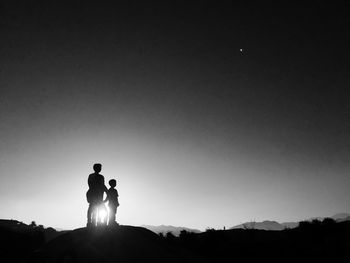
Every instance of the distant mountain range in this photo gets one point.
(264, 225)
(273, 225)
(51, 233)
(173, 229)
(341, 217)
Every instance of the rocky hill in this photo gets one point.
(111, 244)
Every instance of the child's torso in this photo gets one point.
(112, 195)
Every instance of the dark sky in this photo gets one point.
(240, 108)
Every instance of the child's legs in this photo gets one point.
(111, 214)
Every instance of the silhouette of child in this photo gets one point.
(113, 203)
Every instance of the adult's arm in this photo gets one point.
(90, 179)
(103, 183)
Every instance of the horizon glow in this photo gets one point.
(196, 133)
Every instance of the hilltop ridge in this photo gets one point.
(310, 241)
(110, 244)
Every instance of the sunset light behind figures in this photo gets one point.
(102, 215)
(207, 113)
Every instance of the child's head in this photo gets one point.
(112, 183)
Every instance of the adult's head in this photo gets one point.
(97, 167)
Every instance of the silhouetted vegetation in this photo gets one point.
(186, 234)
(18, 240)
(311, 241)
(209, 229)
(170, 237)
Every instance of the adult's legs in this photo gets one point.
(92, 215)
(89, 215)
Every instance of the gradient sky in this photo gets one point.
(197, 132)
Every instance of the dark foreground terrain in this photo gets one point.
(310, 242)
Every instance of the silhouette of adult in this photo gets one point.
(94, 195)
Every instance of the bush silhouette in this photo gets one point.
(170, 236)
(184, 234)
(310, 225)
(328, 222)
